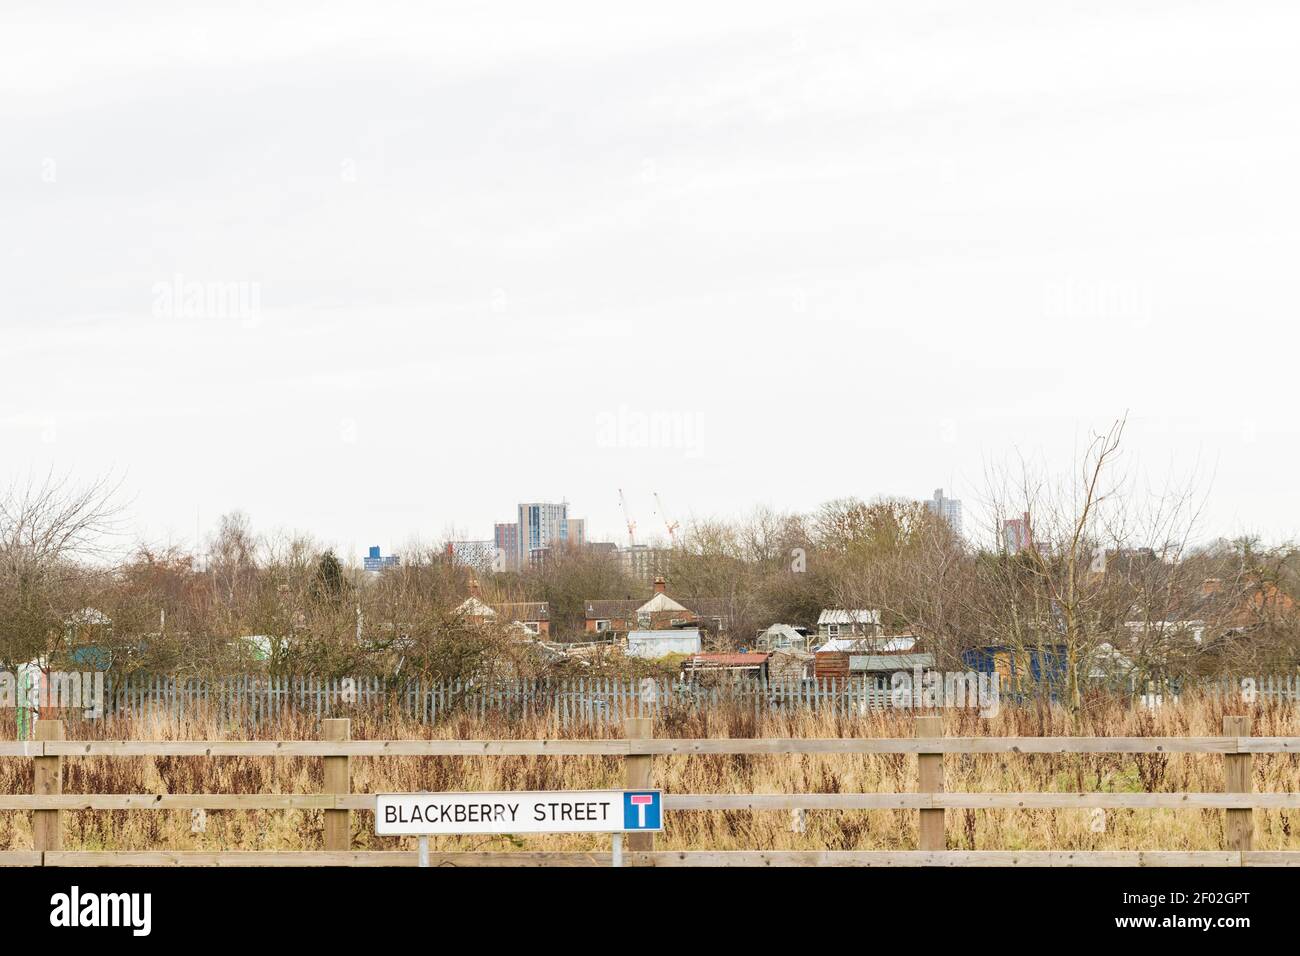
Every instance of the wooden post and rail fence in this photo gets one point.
(638, 748)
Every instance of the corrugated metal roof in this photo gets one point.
(841, 616)
(889, 662)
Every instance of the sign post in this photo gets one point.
(542, 811)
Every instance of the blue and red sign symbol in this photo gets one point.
(642, 810)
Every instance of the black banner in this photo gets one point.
(362, 906)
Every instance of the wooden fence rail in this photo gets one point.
(650, 746)
(638, 749)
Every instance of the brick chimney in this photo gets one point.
(660, 585)
(474, 589)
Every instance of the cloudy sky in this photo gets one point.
(379, 270)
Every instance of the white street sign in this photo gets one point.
(551, 811)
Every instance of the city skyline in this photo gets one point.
(989, 528)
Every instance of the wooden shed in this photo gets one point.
(831, 665)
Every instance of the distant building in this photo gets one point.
(478, 555)
(541, 528)
(541, 524)
(644, 563)
(1016, 536)
(506, 537)
(949, 509)
(376, 561)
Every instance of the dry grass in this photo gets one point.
(873, 829)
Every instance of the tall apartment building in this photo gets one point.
(505, 536)
(577, 531)
(541, 525)
(1017, 535)
(949, 509)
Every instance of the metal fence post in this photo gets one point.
(338, 779)
(47, 825)
(639, 770)
(930, 780)
(1238, 825)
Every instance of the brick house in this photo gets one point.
(533, 616)
(660, 613)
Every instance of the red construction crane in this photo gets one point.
(671, 525)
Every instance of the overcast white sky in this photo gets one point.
(836, 248)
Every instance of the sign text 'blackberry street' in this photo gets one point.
(555, 811)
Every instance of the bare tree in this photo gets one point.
(53, 553)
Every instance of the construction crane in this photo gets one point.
(671, 525)
(631, 525)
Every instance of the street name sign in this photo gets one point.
(542, 811)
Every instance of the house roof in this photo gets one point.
(473, 607)
(783, 630)
(659, 603)
(518, 611)
(607, 610)
(526, 611)
(712, 607)
(836, 615)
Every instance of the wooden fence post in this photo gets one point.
(338, 779)
(930, 780)
(640, 768)
(47, 825)
(1238, 825)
